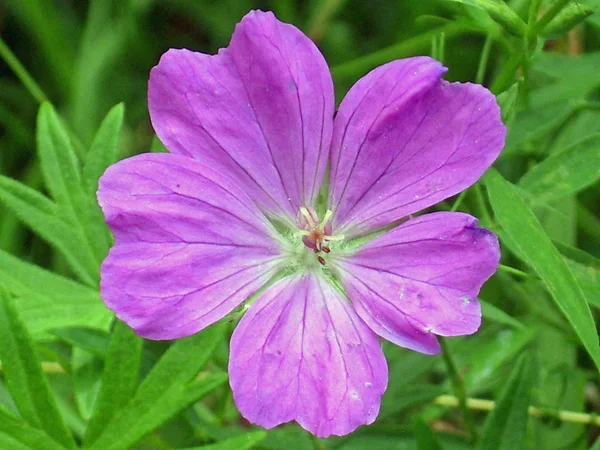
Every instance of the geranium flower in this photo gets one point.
(233, 213)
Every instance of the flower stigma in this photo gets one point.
(316, 235)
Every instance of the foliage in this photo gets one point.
(72, 376)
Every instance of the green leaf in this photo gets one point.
(103, 151)
(60, 166)
(86, 369)
(527, 234)
(586, 269)
(566, 172)
(425, 437)
(24, 377)
(47, 219)
(507, 101)
(506, 426)
(25, 437)
(489, 357)
(501, 13)
(495, 314)
(244, 442)
(47, 300)
(119, 379)
(567, 19)
(166, 391)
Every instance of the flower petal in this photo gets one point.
(404, 140)
(190, 245)
(301, 353)
(260, 111)
(422, 278)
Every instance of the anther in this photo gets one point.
(321, 260)
(326, 249)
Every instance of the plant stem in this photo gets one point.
(479, 404)
(13, 62)
(459, 389)
(516, 272)
(409, 47)
(483, 60)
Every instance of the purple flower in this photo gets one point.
(265, 195)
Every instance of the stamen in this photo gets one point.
(339, 237)
(326, 249)
(321, 260)
(308, 217)
(326, 219)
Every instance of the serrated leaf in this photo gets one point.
(566, 172)
(47, 220)
(22, 436)
(527, 234)
(104, 149)
(167, 390)
(244, 442)
(506, 426)
(119, 379)
(24, 377)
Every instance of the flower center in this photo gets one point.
(316, 234)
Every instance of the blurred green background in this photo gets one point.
(86, 56)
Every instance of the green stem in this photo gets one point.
(587, 221)
(506, 77)
(459, 389)
(13, 62)
(402, 49)
(516, 272)
(547, 18)
(458, 201)
(482, 209)
(483, 60)
(320, 21)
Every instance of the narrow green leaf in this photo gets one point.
(586, 269)
(86, 372)
(25, 437)
(507, 101)
(103, 151)
(59, 163)
(495, 314)
(488, 358)
(506, 426)
(527, 234)
(119, 379)
(566, 172)
(244, 442)
(165, 391)
(425, 437)
(596, 445)
(501, 13)
(567, 19)
(24, 377)
(47, 219)
(47, 300)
